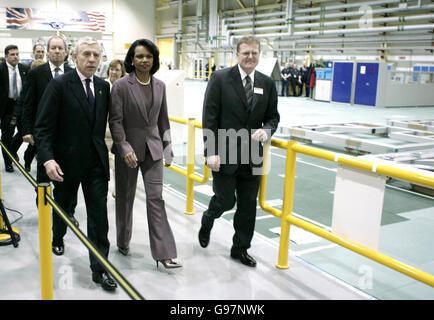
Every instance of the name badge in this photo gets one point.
(258, 90)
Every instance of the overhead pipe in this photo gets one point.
(363, 38)
(256, 23)
(356, 22)
(289, 13)
(251, 16)
(273, 28)
(346, 6)
(362, 30)
(180, 17)
(199, 14)
(342, 31)
(361, 13)
(345, 14)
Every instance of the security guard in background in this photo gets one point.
(295, 75)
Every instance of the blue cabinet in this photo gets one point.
(342, 81)
(366, 84)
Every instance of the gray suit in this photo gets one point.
(143, 130)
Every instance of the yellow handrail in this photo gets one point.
(45, 203)
(292, 148)
(189, 173)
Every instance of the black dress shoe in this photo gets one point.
(105, 280)
(9, 168)
(204, 237)
(59, 250)
(124, 251)
(244, 259)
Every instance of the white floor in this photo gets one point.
(207, 274)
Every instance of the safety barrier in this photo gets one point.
(45, 203)
(292, 148)
(189, 173)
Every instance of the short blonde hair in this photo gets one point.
(248, 40)
(36, 63)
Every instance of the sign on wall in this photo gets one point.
(46, 19)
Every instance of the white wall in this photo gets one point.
(133, 19)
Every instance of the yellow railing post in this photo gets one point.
(190, 166)
(45, 255)
(288, 196)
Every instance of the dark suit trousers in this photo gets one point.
(241, 187)
(17, 141)
(7, 130)
(160, 234)
(294, 87)
(95, 188)
(285, 88)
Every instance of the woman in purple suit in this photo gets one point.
(140, 128)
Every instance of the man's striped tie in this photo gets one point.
(248, 90)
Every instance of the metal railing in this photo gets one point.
(292, 148)
(45, 203)
(189, 173)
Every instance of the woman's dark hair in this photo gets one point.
(152, 49)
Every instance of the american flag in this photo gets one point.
(96, 21)
(35, 19)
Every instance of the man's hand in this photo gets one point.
(260, 135)
(53, 170)
(29, 139)
(131, 160)
(213, 162)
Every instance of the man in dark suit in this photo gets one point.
(37, 81)
(295, 78)
(69, 134)
(239, 113)
(13, 76)
(285, 73)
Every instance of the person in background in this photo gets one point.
(303, 79)
(12, 80)
(17, 139)
(38, 79)
(69, 135)
(243, 100)
(140, 128)
(38, 53)
(310, 80)
(285, 73)
(294, 77)
(103, 67)
(115, 71)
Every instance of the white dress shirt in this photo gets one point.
(19, 82)
(52, 67)
(83, 82)
(244, 75)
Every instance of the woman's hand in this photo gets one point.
(131, 160)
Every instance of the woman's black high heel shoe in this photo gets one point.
(169, 264)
